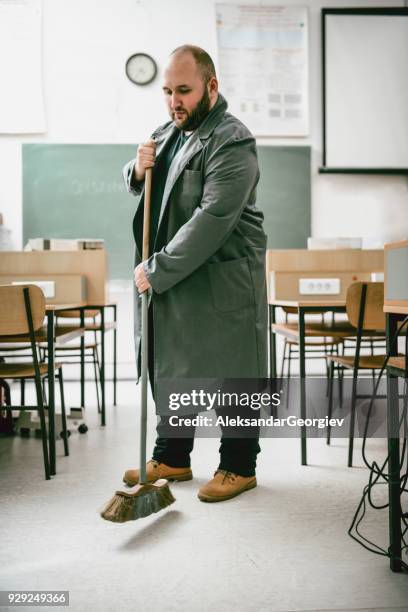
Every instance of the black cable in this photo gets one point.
(377, 472)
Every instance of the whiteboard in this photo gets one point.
(366, 89)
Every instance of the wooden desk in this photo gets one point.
(304, 307)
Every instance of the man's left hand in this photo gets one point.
(141, 281)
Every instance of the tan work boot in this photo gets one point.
(155, 471)
(225, 485)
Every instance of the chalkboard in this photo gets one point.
(77, 191)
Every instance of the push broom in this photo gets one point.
(144, 498)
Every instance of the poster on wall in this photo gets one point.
(263, 61)
(21, 100)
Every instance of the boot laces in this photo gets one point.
(230, 475)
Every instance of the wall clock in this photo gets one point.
(141, 68)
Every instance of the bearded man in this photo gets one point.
(206, 270)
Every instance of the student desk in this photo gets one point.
(52, 336)
(298, 332)
(396, 368)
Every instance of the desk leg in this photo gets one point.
(51, 389)
(394, 499)
(302, 372)
(103, 418)
(82, 324)
(272, 343)
(114, 354)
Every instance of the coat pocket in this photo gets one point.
(192, 183)
(188, 193)
(231, 285)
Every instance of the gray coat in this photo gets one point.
(207, 271)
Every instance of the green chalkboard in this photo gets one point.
(77, 191)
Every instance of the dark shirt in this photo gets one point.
(160, 173)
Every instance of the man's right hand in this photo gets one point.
(146, 155)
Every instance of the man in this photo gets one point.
(206, 271)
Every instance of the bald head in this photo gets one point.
(203, 61)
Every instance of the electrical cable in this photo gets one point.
(377, 472)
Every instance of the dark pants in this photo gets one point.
(237, 454)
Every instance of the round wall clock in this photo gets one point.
(141, 68)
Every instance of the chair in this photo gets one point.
(364, 306)
(315, 348)
(92, 324)
(22, 311)
(72, 351)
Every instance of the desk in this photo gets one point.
(298, 333)
(48, 334)
(395, 369)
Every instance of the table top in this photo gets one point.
(60, 307)
(400, 309)
(321, 303)
(77, 305)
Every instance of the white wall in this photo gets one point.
(89, 99)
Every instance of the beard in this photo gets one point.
(197, 115)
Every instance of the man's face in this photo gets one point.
(188, 98)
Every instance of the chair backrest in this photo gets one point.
(13, 316)
(374, 317)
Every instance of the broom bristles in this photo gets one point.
(138, 502)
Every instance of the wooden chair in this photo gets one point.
(22, 312)
(364, 305)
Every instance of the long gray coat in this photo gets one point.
(208, 268)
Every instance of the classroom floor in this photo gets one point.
(280, 547)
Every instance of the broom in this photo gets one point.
(144, 498)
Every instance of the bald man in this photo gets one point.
(206, 274)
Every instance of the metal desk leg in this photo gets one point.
(394, 511)
(394, 475)
(103, 418)
(114, 354)
(272, 343)
(302, 372)
(82, 324)
(51, 389)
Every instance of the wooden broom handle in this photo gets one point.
(146, 214)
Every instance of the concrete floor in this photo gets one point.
(280, 547)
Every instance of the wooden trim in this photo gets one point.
(396, 245)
